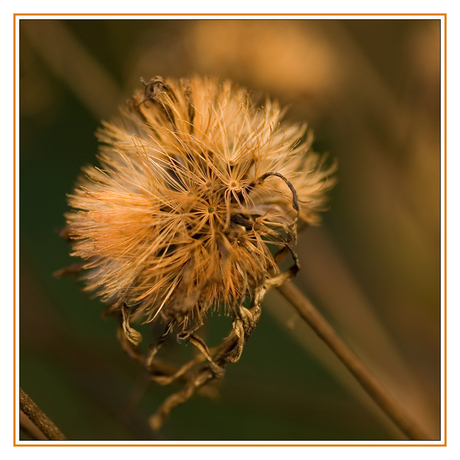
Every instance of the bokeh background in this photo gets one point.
(370, 90)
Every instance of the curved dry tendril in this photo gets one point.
(295, 198)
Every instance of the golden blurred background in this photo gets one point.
(370, 91)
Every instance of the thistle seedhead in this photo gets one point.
(197, 192)
(197, 198)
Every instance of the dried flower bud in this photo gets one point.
(198, 193)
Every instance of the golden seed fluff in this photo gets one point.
(197, 190)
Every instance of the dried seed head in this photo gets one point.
(196, 191)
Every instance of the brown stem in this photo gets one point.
(30, 428)
(373, 387)
(38, 418)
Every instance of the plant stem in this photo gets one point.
(39, 419)
(374, 388)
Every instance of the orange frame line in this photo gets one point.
(231, 14)
(151, 15)
(445, 229)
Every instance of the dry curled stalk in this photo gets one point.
(196, 201)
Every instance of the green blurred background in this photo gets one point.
(370, 90)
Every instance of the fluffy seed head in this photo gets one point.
(196, 191)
